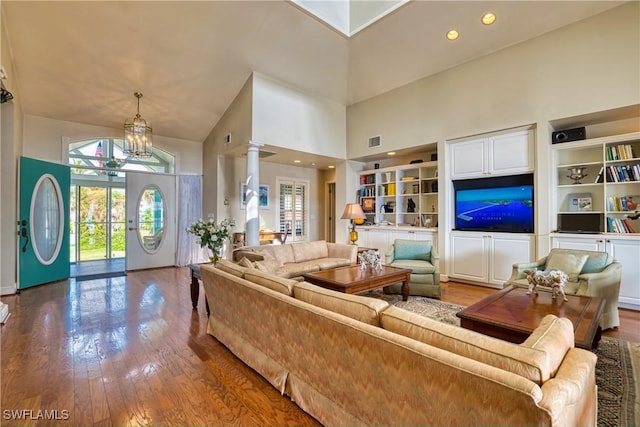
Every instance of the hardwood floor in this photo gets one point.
(130, 351)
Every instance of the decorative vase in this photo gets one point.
(216, 254)
(577, 173)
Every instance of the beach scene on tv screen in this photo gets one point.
(506, 208)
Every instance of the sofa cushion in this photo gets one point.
(411, 249)
(230, 267)
(327, 263)
(283, 253)
(306, 251)
(417, 266)
(360, 308)
(295, 269)
(268, 264)
(528, 361)
(569, 263)
(278, 284)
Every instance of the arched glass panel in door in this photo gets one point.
(151, 217)
(47, 219)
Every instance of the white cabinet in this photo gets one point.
(625, 249)
(505, 154)
(469, 257)
(488, 257)
(370, 237)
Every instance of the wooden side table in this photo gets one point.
(195, 287)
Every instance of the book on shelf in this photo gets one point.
(627, 203)
(620, 225)
(600, 175)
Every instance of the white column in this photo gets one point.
(252, 228)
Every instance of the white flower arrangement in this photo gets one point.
(211, 234)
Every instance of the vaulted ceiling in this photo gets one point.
(81, 61)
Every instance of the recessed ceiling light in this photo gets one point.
(331, 167)
(453, 34)
(391, 153)
(488, 18)
(296, 161)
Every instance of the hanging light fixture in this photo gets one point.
(137, 135)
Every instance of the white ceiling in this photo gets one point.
(81, 61)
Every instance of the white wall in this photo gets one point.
(11, 126)
(590, 66)
(217, 177)
(270, 112)
(269, 174)
(287, 117)
(43, 140)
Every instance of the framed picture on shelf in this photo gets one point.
(368, 204)
(584, 204)
(263, 196)
(579, 202)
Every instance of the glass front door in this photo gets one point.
(98, 229)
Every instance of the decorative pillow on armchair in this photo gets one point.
(571, 264)
(412, 249)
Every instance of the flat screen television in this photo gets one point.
(502, 204)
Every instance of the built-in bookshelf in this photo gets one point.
(601, 175)
(404, 195)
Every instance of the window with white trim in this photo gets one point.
(293, 209)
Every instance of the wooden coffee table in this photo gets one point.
(352, 279)
(512, 315)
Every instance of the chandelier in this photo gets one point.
(137, 135)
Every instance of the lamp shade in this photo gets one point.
(353, 211)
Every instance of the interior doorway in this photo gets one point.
(330, 213)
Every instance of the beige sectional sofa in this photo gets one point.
(354, 360)
(294, 259)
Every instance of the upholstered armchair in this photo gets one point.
(590, 273)
(419, 257)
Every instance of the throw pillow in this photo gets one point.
(269, 264)
(245, 262)
(412, 249)
(570, 263)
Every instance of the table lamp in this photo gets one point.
(353, 211)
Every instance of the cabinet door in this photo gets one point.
(469, 257)
(511, 153)
(586, 244)
(628, 253)
(468, 159)
(506, 250)
(363, 237)
(378, 240)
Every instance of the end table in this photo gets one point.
(195, 287)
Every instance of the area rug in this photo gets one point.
(617, 369)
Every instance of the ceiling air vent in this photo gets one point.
(374, 141)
